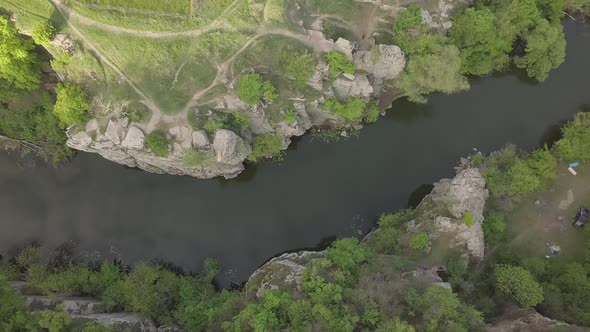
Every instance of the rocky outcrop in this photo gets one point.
(528, 320)
(443, 211)
(353, 86)
(384, 63)
(283, 272)
(230, 148)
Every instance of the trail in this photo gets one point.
(148, 102)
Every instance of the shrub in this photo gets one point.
(518, 284)
(238, 120)
(54, 321)
(575, 144)
(13, 311)
(290, 117)
(20, 70)
(42, 33)
(408, 19)
(385, 238)
(372, 113)
(194, 158)
(420, 240)
(347, 254)
(266, 146)
(156, 143)
(211, 125)
(71, 106)
(352, 111)
(494, 227)
(468, 218)
(251, 88)
(300, 65)
(339, 64)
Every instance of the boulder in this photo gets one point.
(200, 139)
(345, 46)
(183, 135)
(134, 138)
(92, 126)
(62, 41)
(79, 141)
(385, 63)
(122, 320)
(283, 272)
(114, 131)
(517, 319)
(230, 148)
(359, 87)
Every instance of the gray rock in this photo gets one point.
(62, 41)
(349, 76)
(92, 125)
(125, 122)
(80, 140)
(359, 87)
(114, 131)
(183, 135)
(200, 139)
(122, 320)
(345, 46)
(134, 138)
(230, 148)
(388, 65)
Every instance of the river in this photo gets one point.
(320, 190)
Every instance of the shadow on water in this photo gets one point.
(553, 133)
(402, 110)
(418, 195)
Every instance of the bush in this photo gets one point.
(575, 144)
(251, 88)
(468, 219)
(238, 120)
(408, 19)
(71, 106)
(156, 143)
(494, 227)
(42, 33)
(385, 238)
(266, 146)
(347, 254)
(290, 117)
(420, 240)
(194, 158)
(20, 70)
(352, 111)
(339, 64)
(212, 125)
(300, 65)
(518, 284)
(372, 113)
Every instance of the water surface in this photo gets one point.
(319, 190)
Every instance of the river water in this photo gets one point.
(320, 190)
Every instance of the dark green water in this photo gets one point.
(320, 190)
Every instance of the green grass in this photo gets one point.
(28, 12)
(168, 6)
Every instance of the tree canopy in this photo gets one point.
(71, 106)
(519, 284)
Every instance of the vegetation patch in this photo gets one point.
(339, 64)
(351, 111)
(156, 143)
(251, 88)
(468, 219)
(71, 106)
(420, 240)
(266, 146)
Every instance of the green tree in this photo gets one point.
(351, 111)
(71, 106)
(347, 254)
(300, 65)
(408, 19)
(19, 65)
(494, 227)
(435, 67)
(55, 321)
(518, 284)
(251, 88)
(474, 32)
(552, 10)
(339, 64)
(575, 141)
(42, 33)
(13, 313)
(266, 146)
(514, 17)
(545, 50)
(157, 144)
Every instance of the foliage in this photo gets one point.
(385, 238)
(30, 119)
(351, 111)
(347, 254)
(42, 33)
(545, 50)
(19, 64)
(71, 106)
(290, 117)
(519, 284)
(339, 64)
(212, 125)
(238, 120)
(372, 113)
(54, 321)
(575, 143)
(474, 32)
(509, 175)
(408, 19)
(494, 227)
(156, 143)
(194, 158)
(433, 66)
(395, 325)
(420, 240)
(13, 314)
(468, 218)
(60, 62)
(578, 6)
(251, 88)
(266, 146)
(300, 65)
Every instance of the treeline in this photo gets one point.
(34, 118)
(491, 36)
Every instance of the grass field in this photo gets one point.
(156, 6)
(28, 12)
